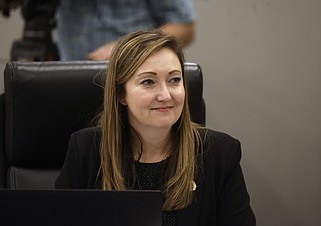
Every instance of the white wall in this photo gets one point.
(262, 67)
(261, 61)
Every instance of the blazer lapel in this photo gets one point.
(190, 215)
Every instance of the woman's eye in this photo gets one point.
(147, 82)
(176, 80)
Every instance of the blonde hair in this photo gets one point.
(117, 167)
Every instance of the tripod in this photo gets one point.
(36, 43)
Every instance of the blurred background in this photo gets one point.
(261, 62)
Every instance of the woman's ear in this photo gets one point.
(122, 98)
(122, 101)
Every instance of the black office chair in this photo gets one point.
(43, 103)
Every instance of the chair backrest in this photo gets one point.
(43, 103)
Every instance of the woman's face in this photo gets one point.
(155, 93)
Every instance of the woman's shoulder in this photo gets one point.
(219, 144)
(88, 132)
(87, 135)
(213, 136)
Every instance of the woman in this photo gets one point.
(145, 140)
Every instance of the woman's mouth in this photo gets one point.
(162, 109)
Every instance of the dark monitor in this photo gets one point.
(80, 208)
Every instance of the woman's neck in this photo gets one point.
(155, 147)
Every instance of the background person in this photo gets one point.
(89, 29)
(145, 140)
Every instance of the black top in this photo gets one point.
(220, 199)
(150, 177)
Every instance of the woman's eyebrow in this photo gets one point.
(146, 73)
(154, 73)
(175, 71)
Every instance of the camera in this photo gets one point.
(36, 43)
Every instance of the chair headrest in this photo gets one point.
(46, 101)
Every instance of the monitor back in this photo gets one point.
(80, 207)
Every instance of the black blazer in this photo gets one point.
(220, 199)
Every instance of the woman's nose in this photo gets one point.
(164, 93)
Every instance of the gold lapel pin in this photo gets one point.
(193, 185)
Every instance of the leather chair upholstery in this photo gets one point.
(43, 103)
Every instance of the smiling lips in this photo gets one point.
(162, 109)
